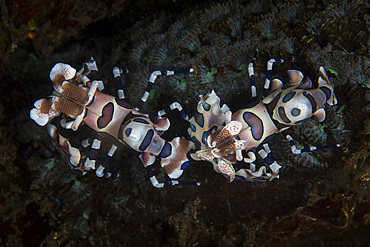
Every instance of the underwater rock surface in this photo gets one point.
(321, 197)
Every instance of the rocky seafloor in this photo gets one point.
(321, 198)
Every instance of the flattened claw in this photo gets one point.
(43, 111)
(226, 169)
(40, 118)
(204, 154)
(61, 72)
(231, 129)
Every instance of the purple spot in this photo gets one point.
(128, 132)
(295, 111)
(166, 150)
(123, 103)
(288, 97)
(283, 115)
(107, 114)
(255, 123)
(147, 140)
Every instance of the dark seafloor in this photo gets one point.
(321, 199)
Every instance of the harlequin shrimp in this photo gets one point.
(82, 100)
(221, 136)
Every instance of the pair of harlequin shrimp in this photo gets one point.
(216, 135)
